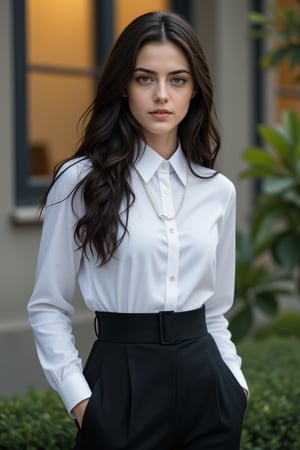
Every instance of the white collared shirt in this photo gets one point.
(177, 264)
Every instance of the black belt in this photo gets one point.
(165, 327)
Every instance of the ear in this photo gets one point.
(194, 93)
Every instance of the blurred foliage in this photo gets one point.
(35, 421)
(276, 221)
(285, 324)
(269, 255)
(274, 227)
(272, 420)
(284, 25)
(256, 287)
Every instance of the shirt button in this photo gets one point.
(172, 278)
(172, 230)
(166, 191)
(165, 165)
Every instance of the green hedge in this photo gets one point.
(272, 368)
(35, 421)
(38, 420)
(284, 324)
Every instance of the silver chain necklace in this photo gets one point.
(152, 202)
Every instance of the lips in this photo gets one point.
(160, 111)
(160, 114)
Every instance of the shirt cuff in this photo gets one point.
(73, 390)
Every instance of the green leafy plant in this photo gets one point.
(257, 288)
(274, 228)
(276, 222)
(269, 257)
(284, 25)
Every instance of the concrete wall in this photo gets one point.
(223, 31)
(222, 28)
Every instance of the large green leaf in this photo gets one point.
(273, 137)
(263, 233)
(291, 127)
(267, 303)
(278, 185)
(286, 249)
(259, 157)
(240, 324)
(244, 249)
(259, 172)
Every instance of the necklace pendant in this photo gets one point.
(163, 217)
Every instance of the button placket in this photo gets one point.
(172, 236)
(172, 267)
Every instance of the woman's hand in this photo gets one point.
(246, 393)
(79, 411)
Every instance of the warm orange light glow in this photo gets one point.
(60, 32)
(127, 10)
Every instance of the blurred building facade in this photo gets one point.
(49, 55)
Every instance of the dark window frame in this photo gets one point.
(257, 89)
(182, 7)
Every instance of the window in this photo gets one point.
(57, 57)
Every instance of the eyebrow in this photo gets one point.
(152, 72)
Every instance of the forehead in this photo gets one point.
(162, 56)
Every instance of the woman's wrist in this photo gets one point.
(79, 410)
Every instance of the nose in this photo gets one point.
(161, 94)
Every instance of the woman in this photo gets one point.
(141, 219)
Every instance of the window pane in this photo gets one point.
(60, 32)
(125, 10)
(55, 104)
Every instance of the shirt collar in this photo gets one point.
(150, 161)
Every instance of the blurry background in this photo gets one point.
(50, 54)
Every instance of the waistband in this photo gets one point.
(164, 327)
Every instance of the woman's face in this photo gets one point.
(160, 90)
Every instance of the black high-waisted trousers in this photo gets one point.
(152, 396)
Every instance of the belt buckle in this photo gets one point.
(162, 315)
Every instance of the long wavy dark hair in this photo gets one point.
(111, 131)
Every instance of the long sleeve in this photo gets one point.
(222, 298)
(50, 307)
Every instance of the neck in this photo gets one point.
(165, 146)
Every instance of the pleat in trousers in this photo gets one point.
(161, 397)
